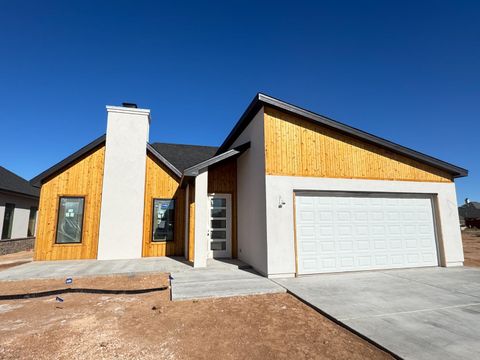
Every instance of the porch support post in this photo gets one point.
(201, 218)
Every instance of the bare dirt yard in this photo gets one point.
(19, 258)
(471, 247)
(150, 326)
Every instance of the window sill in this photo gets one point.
(68, 244)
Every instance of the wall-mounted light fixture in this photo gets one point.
(280, 202)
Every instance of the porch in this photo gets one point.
(78, 268)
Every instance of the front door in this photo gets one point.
(220, 226)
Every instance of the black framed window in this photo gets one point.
(8, 221)
(70, 220)
(163, 220)
(32, 219)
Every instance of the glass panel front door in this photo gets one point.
(219, 227)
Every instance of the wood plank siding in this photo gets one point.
(222, 179)
(297, 147)
(83, 178)
(160, 183)
(191, 222)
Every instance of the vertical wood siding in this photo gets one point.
(83, 178)
(223, 179)
(161, 184)
(191, 222)
(297, 147)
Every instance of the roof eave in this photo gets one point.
(161, 158)
(37, 180)
(19, 193)
(194, 170)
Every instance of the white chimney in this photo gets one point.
(121, 219)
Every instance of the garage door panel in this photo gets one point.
(348, 233)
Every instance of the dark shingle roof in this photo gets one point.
(14, 183)
(184, 156)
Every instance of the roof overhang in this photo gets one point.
(261, 100)
(193, 171)
(37, 180)
(19, 194)
(162, 159)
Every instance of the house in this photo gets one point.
(289, 192)
(470, 213)
(18, 212)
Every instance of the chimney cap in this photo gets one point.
(129, 105)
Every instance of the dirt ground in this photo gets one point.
(471, 247)
(19, 258)
(150, 326)
(106, 283)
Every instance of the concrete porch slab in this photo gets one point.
(416, 313)
(66, 268)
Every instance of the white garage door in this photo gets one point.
(350, 232)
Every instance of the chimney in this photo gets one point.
(121, 215)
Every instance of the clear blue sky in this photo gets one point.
(408, 71)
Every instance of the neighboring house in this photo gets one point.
(470, 212)
(18, 206)
(288, 192)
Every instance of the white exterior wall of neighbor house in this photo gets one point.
(280, 220)
(21, 213)
(251, 212)
(121, 216)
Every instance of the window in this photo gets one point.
(32, 218)
(8, 221)
(163, 220)
(70, 220)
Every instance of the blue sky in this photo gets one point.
(408, 71)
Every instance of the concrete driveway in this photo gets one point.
(429, 313)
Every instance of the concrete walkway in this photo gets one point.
(430, 313)
(210, 282)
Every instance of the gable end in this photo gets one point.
(295, 146)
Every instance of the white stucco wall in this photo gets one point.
(280, 220)
(201, 218)
(121, 217)
(251, 212)
(21, 213)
